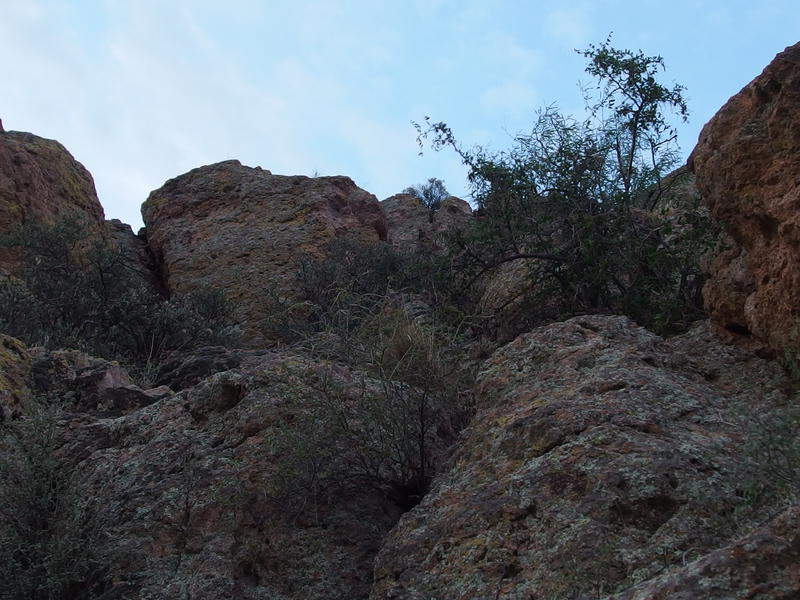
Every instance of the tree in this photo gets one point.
(576, 199)
(430, 194)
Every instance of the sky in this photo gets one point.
(141, 91)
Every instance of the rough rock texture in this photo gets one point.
(135, 251)
(15, 370)
(762, 564)
(40, 181)
(78, 382)
(185, 487)
(601, 454)
(412, 226)
(241, 229)
(747, 165)
(182, 370)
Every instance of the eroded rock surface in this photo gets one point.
(241, 229)
(600, 455)
(41, 182)
(415, 228)
(747, 165)
(186, 490)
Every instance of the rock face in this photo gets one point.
(414, 228)
(747, 165)
(15, 371)
(186, 488)
(600, 455)
(40, 181)
(241, 229)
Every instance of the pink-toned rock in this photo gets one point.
(41, 182)
(241, 229)
(186, 488)
(600, 455)
(747, 167)
(413, 227)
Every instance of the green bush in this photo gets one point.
(52, 546)
(71, 293)
(578, 202)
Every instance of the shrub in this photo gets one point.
(576, 201)
(384, 427)
(68, 292)
(52, 546)
(430, 194)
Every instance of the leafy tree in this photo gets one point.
(430, 194)
(576, 199)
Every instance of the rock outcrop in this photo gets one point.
(186, 490)
(41, 182)
(747, 165)
(415, 228)
(240, 229)
(600, 456)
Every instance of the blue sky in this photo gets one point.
(143, 90)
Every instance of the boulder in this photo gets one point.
(241, 229)
(134, 251)
(412, 227)
(181, 370)
(600, 456)
(41, 182)
(747, 167)
(74, 381)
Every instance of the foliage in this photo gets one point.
(69, 292)
(383, 428)
(577, 201)
(430, 194)
(392, 397)
(51, 544)
(336, 291)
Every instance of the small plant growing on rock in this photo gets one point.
(431, 194)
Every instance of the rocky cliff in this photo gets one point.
(747, 165)
(601, 460)
(242, 229)
(40, 182)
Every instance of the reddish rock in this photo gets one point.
(747, 166)
(41, 182)
(241, 229)
(600, 456)
(185, 488)
(413, 227)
